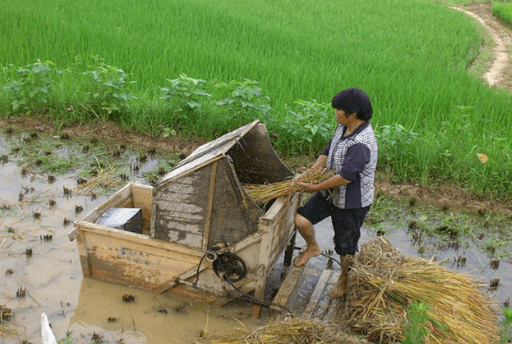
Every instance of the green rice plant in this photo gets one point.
(452, 154)
(30, 87)
(245, 101)
(295, 52)
(503, 11)
(415, 326)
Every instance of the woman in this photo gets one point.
(346, 197)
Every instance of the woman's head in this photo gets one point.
(353, 100)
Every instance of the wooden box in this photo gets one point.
(195, 214)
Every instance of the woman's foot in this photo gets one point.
(303, 257)
(340, 289)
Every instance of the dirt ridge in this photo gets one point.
(499, 72)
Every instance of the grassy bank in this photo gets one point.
(114, 61)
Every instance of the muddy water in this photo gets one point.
(40, 269)
(149, 318)
(40, 272)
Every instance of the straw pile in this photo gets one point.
(383, 283)
(290, 332)
(263, 193)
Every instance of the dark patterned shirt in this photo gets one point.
(354, 157)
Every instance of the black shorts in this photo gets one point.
(346, 222)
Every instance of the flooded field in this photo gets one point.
(39, 265)
(47, 183)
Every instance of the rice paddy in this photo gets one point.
(411, 56)
(451, 226)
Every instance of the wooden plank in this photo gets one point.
(332, 312)
(222, 144)
(277, 229)
(105, 247)
(187, 274)
(118, 256)
(325, 302)
(194, 165)
(140, 239)
(180, 208)
(263, 269)
(132, 263)
(290, 247)
(288, 287)
(113, 201)
(142, 195)
(143, 198)
(315, 296)
(208, 220)
(335, 305)
(278, 222)
(84, 256)
(259, 289)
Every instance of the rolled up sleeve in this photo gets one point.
(358, 155)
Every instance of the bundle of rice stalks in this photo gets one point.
(291, 332)
(383, 284)
(263, 193)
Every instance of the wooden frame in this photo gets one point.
(115, 255)
(197, 210)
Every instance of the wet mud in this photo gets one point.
(44, 192)
(40, 269)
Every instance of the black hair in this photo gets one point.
(353, 100)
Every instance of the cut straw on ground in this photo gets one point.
(103, 179)
(383, 284)
(289, 332)
(264, 193)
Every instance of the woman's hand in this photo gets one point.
(299, 176)
(308, 187)
(319, 163)
(330, 183)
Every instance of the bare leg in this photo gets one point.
(340, 289)
(307, 231)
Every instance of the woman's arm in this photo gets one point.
(319, 163)
(330, 183)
